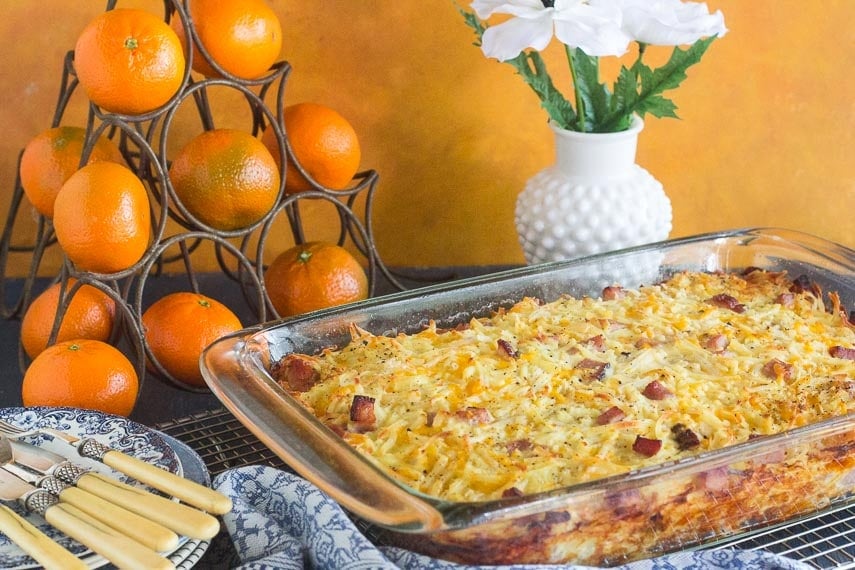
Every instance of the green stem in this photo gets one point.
(636, 67)
(580, 103)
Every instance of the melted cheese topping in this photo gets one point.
(512, 402)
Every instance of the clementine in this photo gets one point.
(52, 156)
(243, 37)
(82, 373)
(225, 178)
(323, 142)
(314, 275)
(129, 61)
(102, 218)
(179, 326)
(88, 314)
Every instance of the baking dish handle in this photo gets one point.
(306, 445)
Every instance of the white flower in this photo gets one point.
(594, 26)
(669, 22)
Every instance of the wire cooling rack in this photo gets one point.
(824, 540)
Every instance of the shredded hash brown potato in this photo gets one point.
(546, 395)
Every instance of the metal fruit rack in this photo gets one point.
(822, 540)
(143, 141)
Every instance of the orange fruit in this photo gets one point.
(225, 178)
(82, 373)
(88, 314)
(244, 37)
(324, 144)
(52, 156)
(179, 326)
(129, 61)
(102, 218)
(314, 275)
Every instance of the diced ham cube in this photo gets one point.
(646, 447)
(519, 445)
(713, 480)
(725, 301)
(597, 342)
(592, 369)
(686, 438)
(844, 384)
(786, 300)
(778, 369)
(512, 492)
(715, 342)
(507, 349)
(842, 352)
(362, 412)
(613, 293)
(610, 416)
(475, 415)
(295, 372)
(656, 391)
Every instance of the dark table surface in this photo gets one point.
(159, 400)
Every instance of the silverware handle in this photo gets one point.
(183, 489)
(115, 547)
(146, 532)
(173, 515)
(37, 544)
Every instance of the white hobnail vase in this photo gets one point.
(594, 199)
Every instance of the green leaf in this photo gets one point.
(626, 92)
(533, 70)
(658, 106)
(473, 22)
(672, 74)
(639, 89)
(592, 97)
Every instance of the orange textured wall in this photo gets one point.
(766, 135)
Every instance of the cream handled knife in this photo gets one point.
(115, 547)
(38, 545)
(179, 518)
(146, 532)
(187, 491)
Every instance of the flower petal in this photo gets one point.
(596, 29)
(506, 40)
(670, 22)
(521, 8)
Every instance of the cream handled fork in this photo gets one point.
(187, 491)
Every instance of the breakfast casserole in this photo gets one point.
(545, 395)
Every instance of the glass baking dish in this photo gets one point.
(676, 505)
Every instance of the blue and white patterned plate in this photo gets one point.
(188, 554)
(116, 432)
